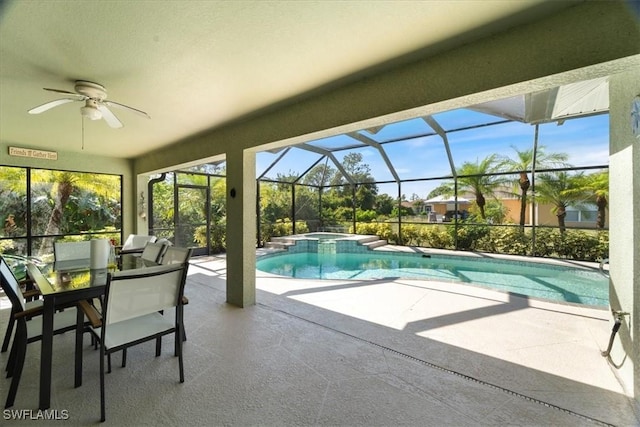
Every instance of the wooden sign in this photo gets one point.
(34, 154)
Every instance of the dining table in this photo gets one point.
(63, 284)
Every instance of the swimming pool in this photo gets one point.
(559, 283)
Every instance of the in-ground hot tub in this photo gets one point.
(329, 243)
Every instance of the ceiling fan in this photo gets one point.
(94, 96)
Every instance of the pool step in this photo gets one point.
(374, 244)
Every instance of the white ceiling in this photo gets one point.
(194, 65)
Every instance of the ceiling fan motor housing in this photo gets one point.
(91, 90)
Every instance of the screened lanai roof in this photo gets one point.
(392, 146)
(559, 103)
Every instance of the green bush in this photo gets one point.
(437, 237)
(411, 235)
(468, 235)
(579, 245)
(381, 229)
(545, 242)
(572, 244)
(7, 247)
(507, 240)
(365, 216)
(282, 227)
(218, 238)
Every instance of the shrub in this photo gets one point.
(469, 235)
(282, 227)
(509, 240)
(579, 245)
(218, 236)
(410, 235)
(437, 237)
(545, 241)
(381, 229)
(365, 216)
(7, 247)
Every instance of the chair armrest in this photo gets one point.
(92, 314)
(31, 293)
(130, 251)
(28, 313)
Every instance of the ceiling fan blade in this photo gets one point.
(109, 117)
(66, 92)
(135, 110)
(49, 105)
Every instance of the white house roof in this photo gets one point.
(446, 199)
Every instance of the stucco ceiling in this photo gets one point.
(195, 65)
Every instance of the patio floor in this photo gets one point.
(374, 353)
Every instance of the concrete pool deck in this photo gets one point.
(352, 353)
(531, 350)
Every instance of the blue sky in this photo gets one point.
(585, 140)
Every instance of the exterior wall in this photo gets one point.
(513, 211)
(624, 237)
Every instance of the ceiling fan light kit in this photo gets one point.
(90, 110)
(94, 96)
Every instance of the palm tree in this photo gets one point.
(561, 190)
(596, 188)
(473, 178)
(523, 162)
(63, 184)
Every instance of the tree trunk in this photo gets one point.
(601, 202)
(524, 187)
(65, 188)
(480, 201)
(561, 214)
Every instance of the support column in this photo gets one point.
(241, 228)
(624, 235)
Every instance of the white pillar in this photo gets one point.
(624, 235)
(241, 228)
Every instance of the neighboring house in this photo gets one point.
(442, 208)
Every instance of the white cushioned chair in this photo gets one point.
(131, 315)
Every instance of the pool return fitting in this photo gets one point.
(619, 318)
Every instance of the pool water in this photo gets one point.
(545, 281)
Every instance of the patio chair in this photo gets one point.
(72, 251)
(153, 252)
(133, 300)
(135, 243)
(30, 295)
(170, 255)
(28, 327)
(72, 255)
(178, 255)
